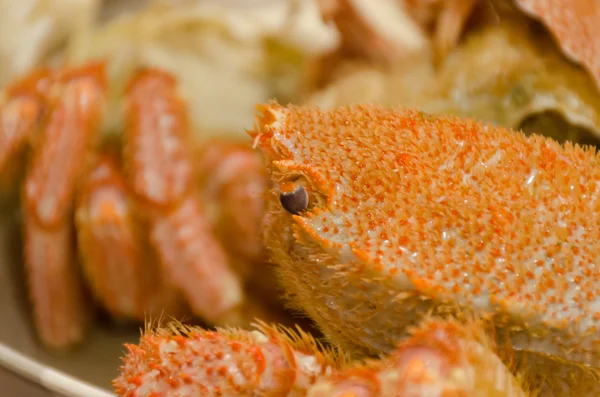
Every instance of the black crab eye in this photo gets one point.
(294, 199)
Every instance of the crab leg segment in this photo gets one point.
(225, 363)
(109, 243)
(20, 115)
(76, 111)
(450, 24)
(158, 158)
(234, 176)
(158, 148)
(54, 285)
(56, 292)
(441, 358)
(196, 262)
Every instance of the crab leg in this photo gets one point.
(68, 136)
(54, 287)
(450, 24)
(158, 156)
(56, 292)
(20, 116)
(193, 362)
(233, 176)
(121, 276)
(439, 358)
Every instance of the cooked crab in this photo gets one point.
(462, 255)
(135, 206)
(465, 251)
(508, 69)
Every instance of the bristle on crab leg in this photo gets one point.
(197, 263)
(55, 289)
(110, 243)
(158, 157)
(193, 362)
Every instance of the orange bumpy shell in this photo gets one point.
(411, 213)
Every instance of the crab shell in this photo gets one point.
(410, 214)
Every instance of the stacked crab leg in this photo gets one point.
(158, 152)
(118, 261)
(440, 358)
(130, 207)
(75, 99)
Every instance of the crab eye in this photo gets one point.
(294, 199)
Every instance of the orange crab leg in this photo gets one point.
(121, 276)
(158, 158)
(56, 165)
(194, 362)
(450, 24)
(234, 176)
(157, 151)
(197, 263)
(54, 286)
(20, 116)
(439, 358)
(56, 291)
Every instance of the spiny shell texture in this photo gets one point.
(411, 213)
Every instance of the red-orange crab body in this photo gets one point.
(138, 206)
(410, 215)
(423, 238)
